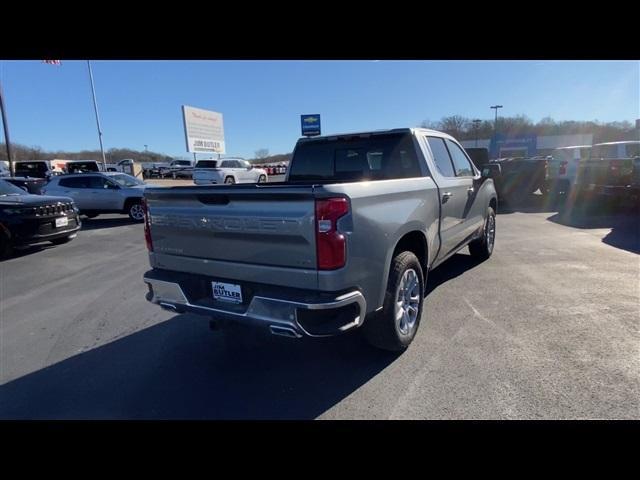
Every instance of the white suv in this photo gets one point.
(227, 170)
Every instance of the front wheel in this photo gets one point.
(262, 179)
(396, 325)
(482, 248)
(229, 180)
(136, 212)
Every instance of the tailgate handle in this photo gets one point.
(213, 199)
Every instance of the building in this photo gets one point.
(527, 145)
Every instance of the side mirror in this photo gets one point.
(491, 171)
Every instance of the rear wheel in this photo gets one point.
(482, 248)
(229, 180)
(135, 211)
(396, 325)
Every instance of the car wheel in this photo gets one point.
(136, 212)
(262, 179)
(395, 327)
(60, 241)
(229, 180)
(91, 215)
(482, 248)
(5, 246)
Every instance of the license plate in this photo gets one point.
(227, 292)
(62, 222)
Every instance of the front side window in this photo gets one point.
(125, 180)
(441, 156)
(97, 182)
(74, 182)
(461, 163)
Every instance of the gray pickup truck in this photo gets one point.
(346, 241)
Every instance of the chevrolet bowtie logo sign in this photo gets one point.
(310, 125)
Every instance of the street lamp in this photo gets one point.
(476, 123)
(495, 126)
(145, 148)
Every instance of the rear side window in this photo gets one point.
(633, 150)
(375, 157)
(441, 156)
(207, 164)
(461, 163)
(75, 182)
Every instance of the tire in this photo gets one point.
(384, 329)
(135, 211)
(6, 249)
(262, 179)
(229, 180)
(60, 241)
(482, 248)
(91, 215)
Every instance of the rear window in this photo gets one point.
(31, 169)
(207, 164)
(378, 157)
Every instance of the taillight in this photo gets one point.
(147, 225)
(563, 168)
(330, 244)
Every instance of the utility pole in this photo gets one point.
(145, 148)
(95, 107)
(7, 140)
(476, 123)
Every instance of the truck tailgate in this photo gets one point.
(248, 224)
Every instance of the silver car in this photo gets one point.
(101, 192)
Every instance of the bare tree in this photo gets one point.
(455, 125)
(262, 153)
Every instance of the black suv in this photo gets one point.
(26, 219)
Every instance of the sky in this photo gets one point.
(139, 102)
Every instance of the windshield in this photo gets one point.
(8, 189)
(31, 169)
(126, 180)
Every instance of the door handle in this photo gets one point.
(470, 191)
(446, 196)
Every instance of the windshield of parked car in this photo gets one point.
(7, 188)
(126, 180)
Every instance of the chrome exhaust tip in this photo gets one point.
(284, 331)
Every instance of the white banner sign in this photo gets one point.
(203, 130)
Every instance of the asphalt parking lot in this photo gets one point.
(547, 328)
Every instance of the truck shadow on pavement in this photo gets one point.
(179, 369)
(625, 226)
(452, 268)
(100, 223)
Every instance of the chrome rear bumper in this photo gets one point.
(280, 315)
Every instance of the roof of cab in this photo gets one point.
(377, 132)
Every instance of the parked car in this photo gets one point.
(336, 247)
(29, 185)
(611, 173)
(227, 170)
(123, 166)
(34, 168)
(26, 219)
(178, 169)
(520, 177)
(104, 192)
(82, 166)
(563, 168)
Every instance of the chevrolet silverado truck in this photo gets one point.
(612, 172)
(345, 242)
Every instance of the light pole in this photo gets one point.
(7, 140)
(145, 148)
(495, 126)
(476, 123)
(95, 108)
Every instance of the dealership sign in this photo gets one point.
(500, 144)
(310, 125)
(203, 130)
